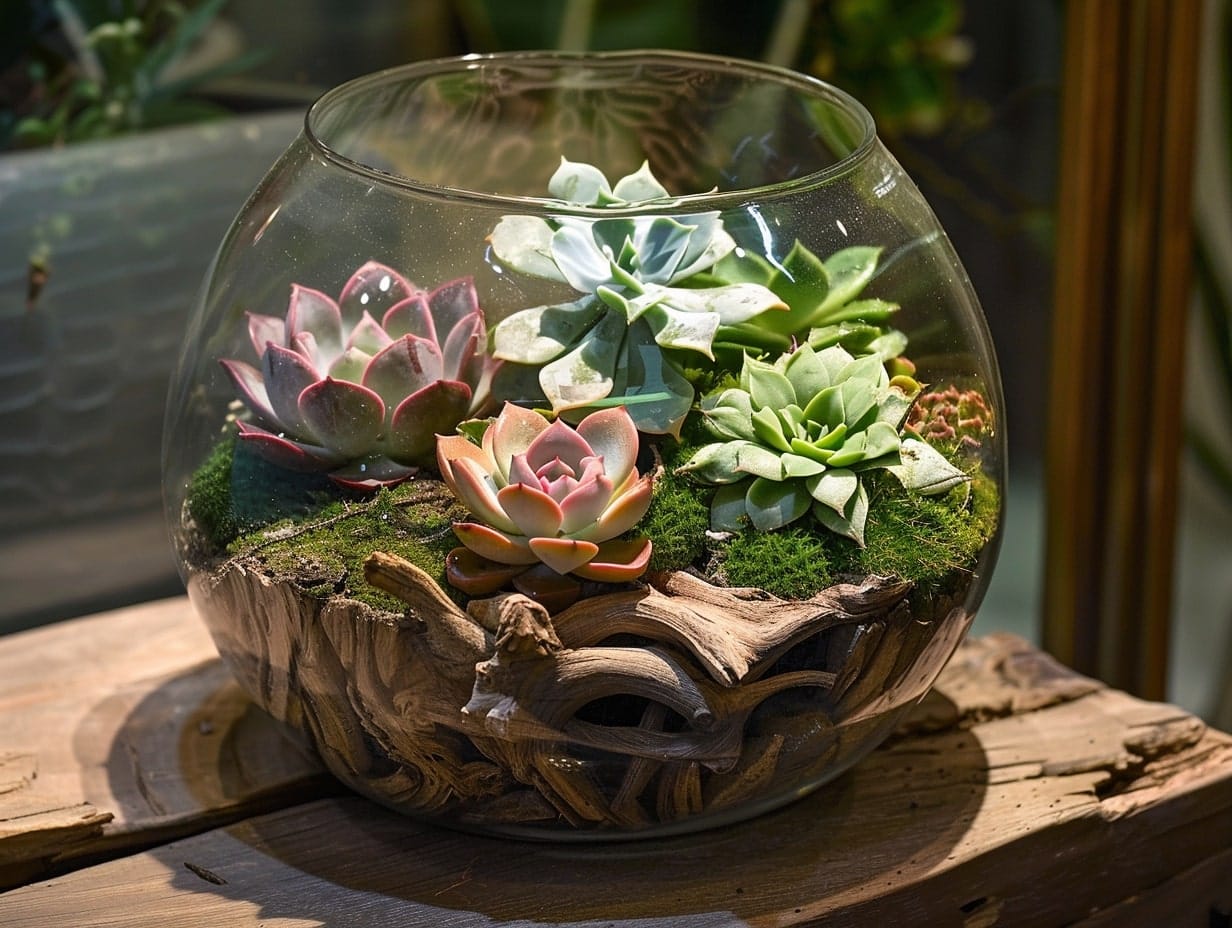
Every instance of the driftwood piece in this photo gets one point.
(689, 652)
(733, 633)
(618, 711)
(378, 694)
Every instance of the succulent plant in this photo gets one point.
(338, 391)
(823, 300)
(550, 502)
(955, 416)
(608, 345)
(796, 435)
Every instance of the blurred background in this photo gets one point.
(165, 114)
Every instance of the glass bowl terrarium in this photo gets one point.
(586, 445)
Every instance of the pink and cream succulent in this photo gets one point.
(338, 391)
(550, 502)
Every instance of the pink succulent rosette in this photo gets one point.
(338, 391)
(550, 502)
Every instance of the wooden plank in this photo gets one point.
(124, 728)
(1200, 896)
(1018, 794)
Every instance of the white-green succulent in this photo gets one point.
(797, 435)
(608, 345)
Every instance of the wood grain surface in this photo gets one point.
(139, 788)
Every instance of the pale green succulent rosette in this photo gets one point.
(797, 435)
(609, 345)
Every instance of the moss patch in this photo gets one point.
(792, 563)
(676, 524)
(209, 497)
(284, 523)
(924, 539)
(927, 540)
(325, 553)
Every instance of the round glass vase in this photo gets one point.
(586, 445)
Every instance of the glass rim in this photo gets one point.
(710, 200)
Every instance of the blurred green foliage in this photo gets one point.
(898, 57)
(74, 70)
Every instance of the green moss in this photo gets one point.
(792, 563)
(325, 554)
(921, 538)
(927, 540)
(236, 490)
(322, 545)
(678, 517)
(209, 497)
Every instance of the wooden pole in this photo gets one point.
(1124, 248)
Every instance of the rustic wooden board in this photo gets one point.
(124, 728)
(1018, 794)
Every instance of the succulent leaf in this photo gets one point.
(264, 329)
(776, 461)
(848, 271)
(475, 575)
(495, 545)
(851, 522)
(351, 414)
(525, 244)
(772, 504)
(730, 415)
(365, 473)
(833, 488)
(374, 288)
(312, 311)
(614, 439)
(548, 494)
(537, 335)
(617, 561)
(728, 510)
(821, 301)
(563, 555)
(361, 399)
(585, 504)
(586, 373)
(411, 316)
(768, 388)
(716, 463)
(531, 510)
(631, 310)
(639, 187)
(293, 455)
(251, 386)
(650, 384)
(925, 470)
(416, 421)
(674, 328)
(754, 459)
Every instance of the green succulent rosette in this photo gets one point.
(797, 435)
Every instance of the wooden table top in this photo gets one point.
(139, 786)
